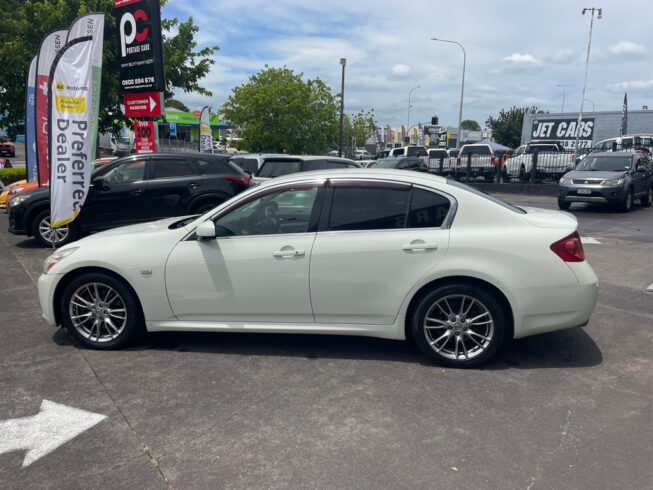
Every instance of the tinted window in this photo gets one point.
(391, 162)
(168, 168)
(367, 208)
(437, 154)
(247, 164)
(416, 151)
(605, 163)
(276, 168)
(495, 200)
(397, 152)
(323, 164)
(476, 150)
(201, 166)
(427, 209)
(125, 173)
(287, 211)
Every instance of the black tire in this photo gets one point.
(627, 204)
(206, 206)
(648, 198)
(76, 301)
(562, 204)
(452, 333)
(523, 176)
(64, 234)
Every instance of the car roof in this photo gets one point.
(615, 153)
(277, 156)
(362, 173)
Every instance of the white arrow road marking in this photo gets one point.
(44, 432)
(588, 240)
(152, 104)
(650, 288)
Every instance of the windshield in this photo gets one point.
(606, 163)
(277, 168)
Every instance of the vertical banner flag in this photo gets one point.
(92, 25)
(206, 143)
(624, 117)
(70, 104)
(30, 125)
(50, 46)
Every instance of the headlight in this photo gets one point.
(58, 256)
(613, 182)
(16, 200)
(564, 180)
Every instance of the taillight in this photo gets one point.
(239, 179)
(458, 160)
(495, 160)
(570, 248)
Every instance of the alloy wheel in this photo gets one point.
(458, 327)
(97, 312)
(52, 235)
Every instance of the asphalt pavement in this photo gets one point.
(571, 409)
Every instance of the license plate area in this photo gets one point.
(584, 191)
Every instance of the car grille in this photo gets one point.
(587, 181)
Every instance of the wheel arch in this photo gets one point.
(32, 213)
(460, 279)
(198, 201)
(72, 275)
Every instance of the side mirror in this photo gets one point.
(206, 230)
(98, 182)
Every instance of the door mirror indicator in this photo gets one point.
(206, 230)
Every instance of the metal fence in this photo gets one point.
(534, 167)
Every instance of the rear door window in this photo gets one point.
(166, 168)
(368, 208)
(427, 209)
(416, 151)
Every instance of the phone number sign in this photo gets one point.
(564, 131)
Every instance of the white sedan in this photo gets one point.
(380, 253)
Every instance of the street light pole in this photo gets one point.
(587, 63)
(564, 92)
(343, 62)
(462, 89)
(409, 94)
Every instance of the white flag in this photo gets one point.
(70, 101)
(206, 140)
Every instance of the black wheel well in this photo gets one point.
(68, 278)
(472, 281)
(29, 219)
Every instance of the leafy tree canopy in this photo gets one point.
(177, 104)
(24, 23)
(356, 128)
(278, 111)
(506, 128)
(470, 125)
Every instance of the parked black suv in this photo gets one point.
(616, 178)
(134, 189)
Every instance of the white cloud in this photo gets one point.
(626, 47)
(634, 86)
(563, 57)
(399, 71)
(521, 59)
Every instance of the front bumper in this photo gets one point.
(17, 219)
(598, 193)
(47, 285)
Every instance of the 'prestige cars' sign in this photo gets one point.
(564, 130)
(140, 53)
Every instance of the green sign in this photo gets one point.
(179, 117)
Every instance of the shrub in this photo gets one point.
(11, 175)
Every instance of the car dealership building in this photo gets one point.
(595, 126)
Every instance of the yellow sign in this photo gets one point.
(67, 103)
(60, 86)
(204, 129)
(448, 135)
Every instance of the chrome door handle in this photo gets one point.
(288, 253)
(415, 247)
(137, 192)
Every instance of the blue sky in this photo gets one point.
(518, 52)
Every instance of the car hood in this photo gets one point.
(594, 174)
(148, 228)
(549, 218)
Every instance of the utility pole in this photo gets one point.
(343, 62)
(462, 88)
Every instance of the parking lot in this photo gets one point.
(571, 409)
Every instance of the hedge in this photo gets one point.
(11, 175)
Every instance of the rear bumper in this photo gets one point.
(557, 307)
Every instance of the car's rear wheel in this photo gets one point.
(523, 176)
(100, 311)
(459, 325)
(52, 236)
(562, 204)
(648, 198)
(627, 203)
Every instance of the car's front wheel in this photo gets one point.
(100, 311)
(562, 204)
(627, 203)
(459, 325)
(648, 198)
(52, 236)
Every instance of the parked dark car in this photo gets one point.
(615, 178)
(134, 189)
(278, 165)
(404, 163)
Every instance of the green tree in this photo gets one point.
(470, 125)
(506, 128)
(24, 24)
(356, 128)
(278, 111)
